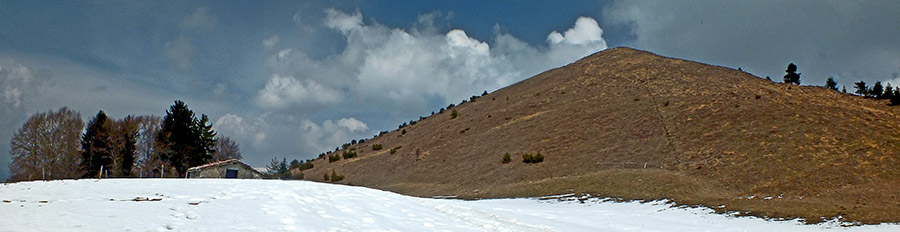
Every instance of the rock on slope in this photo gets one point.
(632, 124)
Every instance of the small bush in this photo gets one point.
(532, 158)
(454, 114)
(506, 158)
(304, 166)
(403, 132)
(326, 176)
(349, 154)
(335, 177)
(376, 147)
(394, 150)
(335, 157)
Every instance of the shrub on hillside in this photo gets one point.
(326, 177)
(304, 166)
(335, 177)
(335, 157)
(532, 158)
(349, 154)
(376, 147)
(394, 150)
(454, 114)
(506, 158)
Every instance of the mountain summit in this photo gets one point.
(630, 124)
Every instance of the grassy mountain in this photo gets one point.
(631, 124)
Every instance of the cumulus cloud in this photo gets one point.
(341, 21)
(353, 124)
(285, 135)
(282, 91)
(586, 31)
(18, 84)
(15, 80)
(234, 125)
(848, 40)
(412, 70)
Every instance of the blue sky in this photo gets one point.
(295, 78)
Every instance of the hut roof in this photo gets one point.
(222, 162)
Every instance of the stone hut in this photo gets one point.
(231, 169)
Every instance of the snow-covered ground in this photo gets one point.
(272, 205)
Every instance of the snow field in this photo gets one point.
(273, 205)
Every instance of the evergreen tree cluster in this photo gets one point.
(876, 91)
(184, 140)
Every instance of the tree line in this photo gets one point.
(876, 91)
(56, 145)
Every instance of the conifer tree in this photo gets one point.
(831, 84)
(124, 136)
(877, 90)
(888, 91)
(792, 76)
(183, 140)
(895, 99)
(861, 88)
(96, 145)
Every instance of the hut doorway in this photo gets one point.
(231, 173)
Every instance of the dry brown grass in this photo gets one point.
(708, 135)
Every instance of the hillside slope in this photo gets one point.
(632, 124)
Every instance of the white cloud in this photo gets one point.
(233, 125)
(353, 124)
(13, 82)
(283, 91)
(586, 31)
(406, 70)
(341, 21)
(281, 135)
(270, 42)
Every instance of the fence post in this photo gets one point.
(100, 175)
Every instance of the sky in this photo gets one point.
(297, 78)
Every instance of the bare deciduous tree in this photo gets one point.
(145, 154)
(226, 149)
(47, 146)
